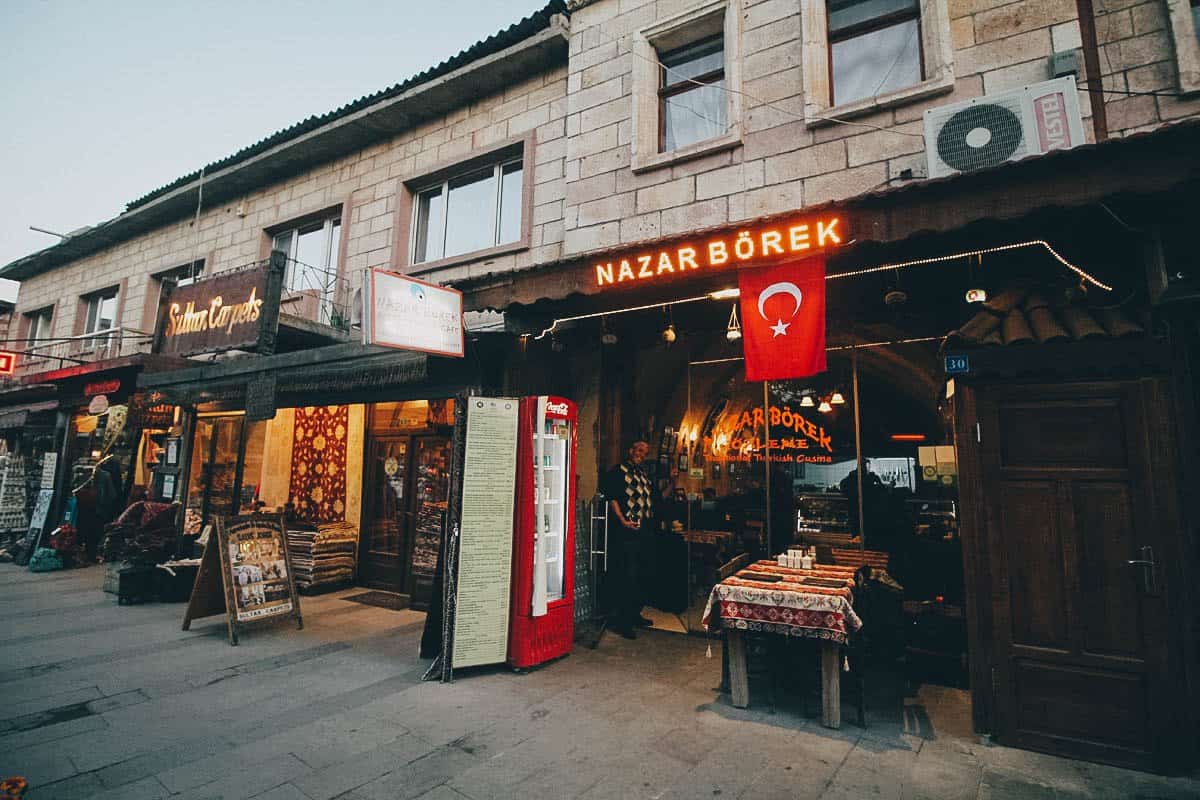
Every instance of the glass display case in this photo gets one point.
(823, 518)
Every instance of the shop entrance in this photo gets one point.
(406, 482)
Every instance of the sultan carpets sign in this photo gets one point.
(235, 310)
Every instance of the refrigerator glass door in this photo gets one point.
(555, 469)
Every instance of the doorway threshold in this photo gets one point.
(389, 600)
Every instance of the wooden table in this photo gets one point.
(811, 604)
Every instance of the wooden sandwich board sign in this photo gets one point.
(245, 573)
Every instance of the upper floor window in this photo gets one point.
(692, 106)
(100, 315)
(38, 324)
(312, 250)
(473, 211)
(181, 276)
(874, 47)
(101, 311)
(1196, 18)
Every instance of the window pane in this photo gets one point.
(107, 315)
(283, 241)
(92, 309)
(510, 204)
(694, 116)
(471, 213)
(845, 13)
(877, 62)
(693, 61)
(311, 250)
(428, 245)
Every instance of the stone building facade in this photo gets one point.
(596, 177)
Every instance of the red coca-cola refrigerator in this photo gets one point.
(542, 624)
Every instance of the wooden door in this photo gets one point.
(1072, 492)
(385, 546)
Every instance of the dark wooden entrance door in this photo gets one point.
(1075, 495)
(386, 543)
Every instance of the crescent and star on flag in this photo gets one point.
(780, 328)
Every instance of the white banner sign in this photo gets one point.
(486, 542)
(412, 315)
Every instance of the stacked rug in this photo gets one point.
(324, 557)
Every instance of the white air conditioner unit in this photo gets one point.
(1007, 126)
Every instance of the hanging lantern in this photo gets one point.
(733, 329)
(807, 401)
(669, 336)
(824, 408)
(837, 399)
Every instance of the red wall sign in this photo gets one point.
(101, 387)
(8, 362)
(751, 246)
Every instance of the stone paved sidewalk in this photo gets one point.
(103, 701)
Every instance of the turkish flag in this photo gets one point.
(783, 320)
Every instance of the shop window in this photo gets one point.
(312, 252)
(874, 47)
(1185, 30)
(100, 317)
(687, 85)
(471, 211)
(692, 105)
(864, 55)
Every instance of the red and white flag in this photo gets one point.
(783, 320)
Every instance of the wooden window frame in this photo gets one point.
(871, 26)
(669, 90)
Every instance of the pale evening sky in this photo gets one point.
(105, 101)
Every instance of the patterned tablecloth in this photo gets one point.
(787, 607)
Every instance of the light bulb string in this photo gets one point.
(968, 255)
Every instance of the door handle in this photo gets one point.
(1147, 565)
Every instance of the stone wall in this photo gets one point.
(367, 183)
(787, 161)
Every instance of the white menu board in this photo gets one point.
(486, 538)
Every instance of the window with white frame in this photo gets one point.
(874, 47)
(863, 55)
(472, 211)
(692, 105)
(181, 276)
(100, 316)
(687, 85)
(312, 252)
(38, 325)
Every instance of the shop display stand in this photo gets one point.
(14, 521)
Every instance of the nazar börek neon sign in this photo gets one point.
(744, 247)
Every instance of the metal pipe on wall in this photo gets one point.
(862, 536)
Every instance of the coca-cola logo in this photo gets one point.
(557, 408)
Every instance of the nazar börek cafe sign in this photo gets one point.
(747, 246)
(237, 310)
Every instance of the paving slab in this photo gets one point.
(105, 701)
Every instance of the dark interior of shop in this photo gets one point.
(689, 400)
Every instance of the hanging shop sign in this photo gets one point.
(245, 573)
(98, 404)
(260, 398)
(101, 387)
(8, 362)
(408, 314)
(753, 246)
(235, 310)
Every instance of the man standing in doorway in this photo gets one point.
(630, 509)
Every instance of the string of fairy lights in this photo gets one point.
(728, 294)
